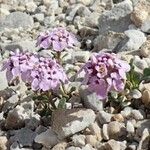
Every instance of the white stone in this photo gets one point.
(104, 117)
(78, 140)
(3, 80)
(74, 120)
(31, 6)
(117, 19)
(90, 99)
(3, 142)
(39, 17)
(138, 114)
(136, 39)
(130, 127)
(16, 118)
(47, 138)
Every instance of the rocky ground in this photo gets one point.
(120, 26)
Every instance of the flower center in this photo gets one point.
(101, 69)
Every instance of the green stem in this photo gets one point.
(49, 94)
(58, 57)
(64, 93)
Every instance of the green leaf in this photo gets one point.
(136, 79)
(146, 72)
(62, 103)
(40, 97)
(114, 95)
(64, 55)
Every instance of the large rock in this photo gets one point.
(145, 48)
(141, 15)
(16, 20)
(3, 143)
(117, 19)
(24, 137)
(16, 118)
(23, 45)
(115, 145)
(47, 138)
(3, 80)
(69, 122)
(108, 40)
(101, 5)
(90, 100)
(132, 42)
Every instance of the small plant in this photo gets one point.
(134, 79)
(44, 75)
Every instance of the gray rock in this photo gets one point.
(92, 20)
(74, 120)
(105, 131)
(140, 63)
(145, 48)
(80, 56)
(24, 137)
(48, 21)
(83, 11)
(90, 100)
(132, 42)
(144, 142)
(108, 40)
(141, 15)
(15, 146)
(85, 2)
(73, 148)
(78, 140)
(88, 147)
(117, 19)
(10, 103)
(130, 127)
(92, 140)
(39, 17)
(47, 138)
(22, 45)
(16, 20)
(116, 130)
(138, 114)
(33, 122)
(3, 142)
(72, 11)
(146, 26)
(141, 125)
(28, 105)
(96, 130)
(3, 80)
(115, 145)
(16, 118)
(136, 94)
(133, 146)
(104, 117)
(101, 5)
(31, 6)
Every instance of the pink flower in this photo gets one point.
(104, 73)
(58, 39)
(47, 75)
(41, 73)
(19, 64)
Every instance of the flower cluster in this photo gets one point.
(104, 73)
(41, 73)
(58, 39)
